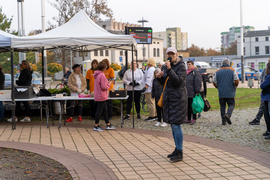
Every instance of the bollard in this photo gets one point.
(250, 82)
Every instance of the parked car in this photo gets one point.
(7, 81)
(249, 73)
(206, 70)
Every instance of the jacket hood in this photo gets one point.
(97, 72)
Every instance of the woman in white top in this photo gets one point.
(77, 85)
(137, 83)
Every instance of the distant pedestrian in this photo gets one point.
(226, 81)
(175, 99)
(265, 96)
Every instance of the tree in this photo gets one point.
(232, 50)
(4, 21)
(54, 68)
(212, 52)
(195, 51)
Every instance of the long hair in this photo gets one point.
(107, 62)
(94, 61)
(28, 67)
(267, 68)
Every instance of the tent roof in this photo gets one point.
(5, 40)
(79, 31)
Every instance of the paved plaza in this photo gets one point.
(140, 153)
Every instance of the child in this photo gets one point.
(101, 89)
(157, 89)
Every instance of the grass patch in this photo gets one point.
(245, 98)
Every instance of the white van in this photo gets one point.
(202, 64)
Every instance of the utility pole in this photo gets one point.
(43, 30)
(241, 44)
(21, 28)
(143, 21)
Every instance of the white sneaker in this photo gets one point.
(158, 124)
(10, 120)
(164, 124)
(25, 120)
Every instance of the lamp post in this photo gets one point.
(21, 29)
(241, 44)
(143, 21)
(224, 46)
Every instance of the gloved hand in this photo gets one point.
(144, 89)
(137, 84)
(130, 84)
(79, 91)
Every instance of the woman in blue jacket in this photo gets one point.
(265, 96)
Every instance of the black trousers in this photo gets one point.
(93, 108)
(190, 112)
(159, 112)
(223, 102)
(18, 108)
(137, 96)
(72, 106)
(266, 115)
(109, 108)
(101, 110)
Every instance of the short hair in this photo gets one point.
(107, 62)
(151, 62)
(157, 70)
(28, 67)
(267, 68)
(225, 61)
(190, 61)
(94, 61)
(101, 65)
(75, 66)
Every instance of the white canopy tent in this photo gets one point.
(5, 41)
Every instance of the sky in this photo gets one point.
(203, 20)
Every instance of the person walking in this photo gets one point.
(25, 79)
(226, 81)
(76, 85)
(101, 89)
(137, 83)
(148, 82)
(156, 93)
(2, 87)
(174, 99)
(194, 85)
(265, 96)
(90, 82)
(259, 115)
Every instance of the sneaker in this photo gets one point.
(193, 122)
(98, 128)
(266, 133)
(164, 124)
(254, 122)
(110, 127)
(158, 124)
(199, 116)
(187, 121)
(25, 120)
(10, 120)
(267, 137)
(224, 122)
(150, 119)
(80, 118)
(138, 116)
(227, 118)
(69, 119)
(126, 117)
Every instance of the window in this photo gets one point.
(80, 54)
(74, 53)
(261, 65)
(266, 38)
(244, 50)
(95, 53)
(85, 54)
(257, 50)
(257, 39)
(104, 26)
(157, 42)
(106, 52)
(154, 52)
(158, 52)
(266, 49)
(101, 53)
(121, 53)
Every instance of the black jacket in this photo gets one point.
(194, 82)
(25, 78)
(157, 89)
(2, 80)
(175, 94)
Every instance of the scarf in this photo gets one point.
(189, 70)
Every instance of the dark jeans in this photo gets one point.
(266, 115)
(137, 96)
(93, 108)
(159, 112)
(260, 112)
(101, 110)
(72, 106)
(109, 108)
(231, 104)
(190, 112)
(177, 136)
(18, 108)
(2, 111)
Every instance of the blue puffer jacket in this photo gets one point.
(266, 82)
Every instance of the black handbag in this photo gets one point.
(207, 105)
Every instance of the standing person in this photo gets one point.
(66, 76)
(90, 82)
(156, 93)
(109, 74)
(101, 89)
(148, 82)
(138, 82)
(194, 84)
(226, 81)
(175, 99)
(259, 115)
(2, 83)
(77, 85)
(25, 79)
(265, 96)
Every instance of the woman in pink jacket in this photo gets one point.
(101, 89)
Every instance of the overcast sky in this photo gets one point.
(203, 20)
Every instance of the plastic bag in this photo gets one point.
(197, 104)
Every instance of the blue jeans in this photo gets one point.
(2, 111)
(177, 136)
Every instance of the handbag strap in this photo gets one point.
(165, 83)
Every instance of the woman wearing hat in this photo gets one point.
(77, 85)
(174, 99)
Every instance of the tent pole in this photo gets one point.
(133, 85)
(12, 91)
(42, 61)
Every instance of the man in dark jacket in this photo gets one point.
(175, 99)
(226, 81)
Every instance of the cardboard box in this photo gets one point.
(23, 92)
(118, 93)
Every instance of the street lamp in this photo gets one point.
(241, 43)
(143, 21)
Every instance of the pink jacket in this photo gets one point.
(101, 87)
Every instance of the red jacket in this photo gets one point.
(101, 87)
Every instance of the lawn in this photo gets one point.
(245, 98)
